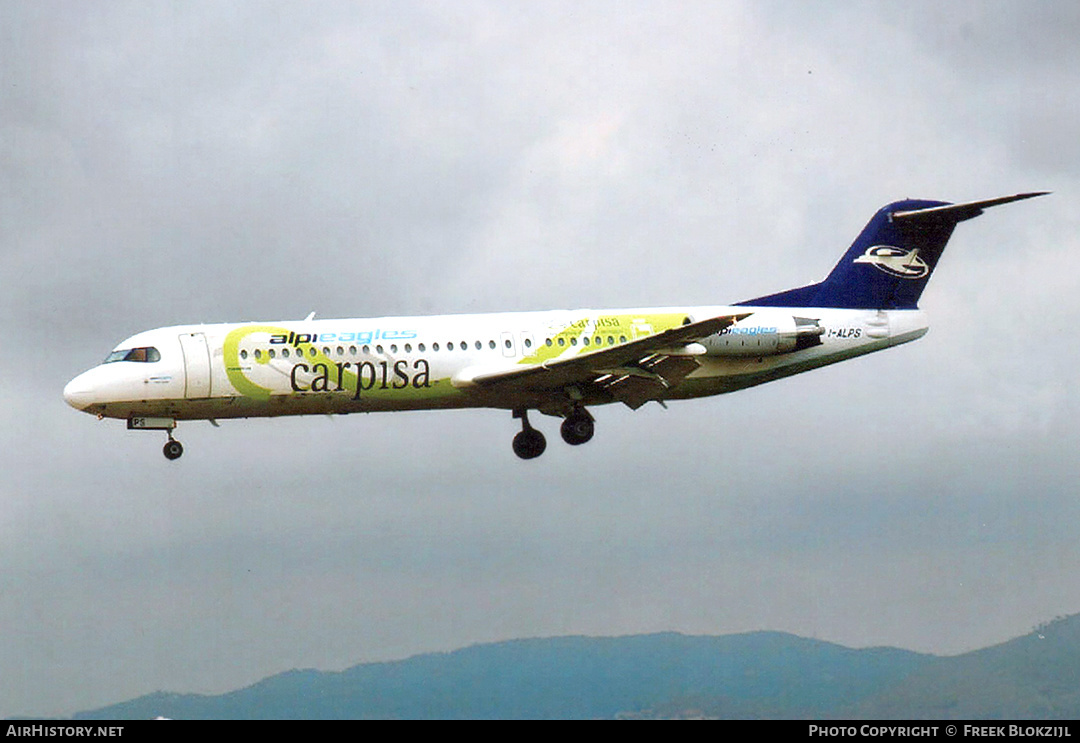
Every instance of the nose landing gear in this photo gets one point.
(173, 448)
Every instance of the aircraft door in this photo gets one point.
(196, 365)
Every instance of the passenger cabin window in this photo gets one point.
(148, 354)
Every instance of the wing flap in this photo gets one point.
(634, 391)
(671, 369)
(649, 380)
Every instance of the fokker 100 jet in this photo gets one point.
(561, 362)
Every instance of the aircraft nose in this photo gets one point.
(78, 392)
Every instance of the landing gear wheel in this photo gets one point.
(529, 444)
(173, 449)
(577, 428)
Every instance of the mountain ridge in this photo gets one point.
(761, 674)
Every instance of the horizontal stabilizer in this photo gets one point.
(960, 212)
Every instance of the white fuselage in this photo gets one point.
(411, 363)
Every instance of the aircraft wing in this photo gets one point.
(633, 372)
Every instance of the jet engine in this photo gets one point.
(765, 334)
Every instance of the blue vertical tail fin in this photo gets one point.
(892, 259)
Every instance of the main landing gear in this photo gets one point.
(576, 429)
(530, 443)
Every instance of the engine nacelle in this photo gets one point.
(765, 334)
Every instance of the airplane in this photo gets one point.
(560, 363)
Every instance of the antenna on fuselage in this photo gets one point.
(310, 317)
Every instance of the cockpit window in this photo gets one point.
(147, 354)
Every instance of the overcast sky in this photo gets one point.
(164, 163)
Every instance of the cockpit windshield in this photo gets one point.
(146, 354)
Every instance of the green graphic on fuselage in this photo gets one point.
(596, 332)
(305, 368)
(312, 370)
(233, 369)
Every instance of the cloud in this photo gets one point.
(165, 164)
